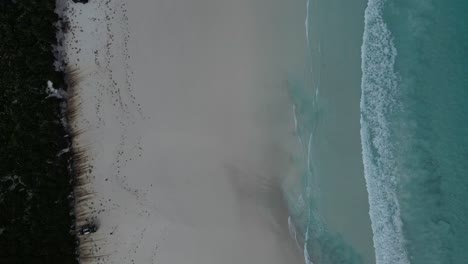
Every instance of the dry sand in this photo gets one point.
(184, 119)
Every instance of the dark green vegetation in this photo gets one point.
(35, 184)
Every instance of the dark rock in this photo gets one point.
(80, 1)
(88, 229)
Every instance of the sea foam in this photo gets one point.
(378, 102)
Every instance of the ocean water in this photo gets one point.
(329, 202)
(413, 127)
(394, 132)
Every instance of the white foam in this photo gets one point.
(296, 130)
(293, 232)
(309, 158)
(379, 96)
(295, 118)
(306, 22)
(306, 252)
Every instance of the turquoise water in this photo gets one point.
(413, 130)
(329, 204)
(321, 243)
(414, 113)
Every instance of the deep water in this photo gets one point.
(414, 113)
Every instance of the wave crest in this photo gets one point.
(378, 102)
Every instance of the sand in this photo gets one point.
(184, 127)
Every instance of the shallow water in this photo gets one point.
(329, 203)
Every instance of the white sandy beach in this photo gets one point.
(187, 125)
